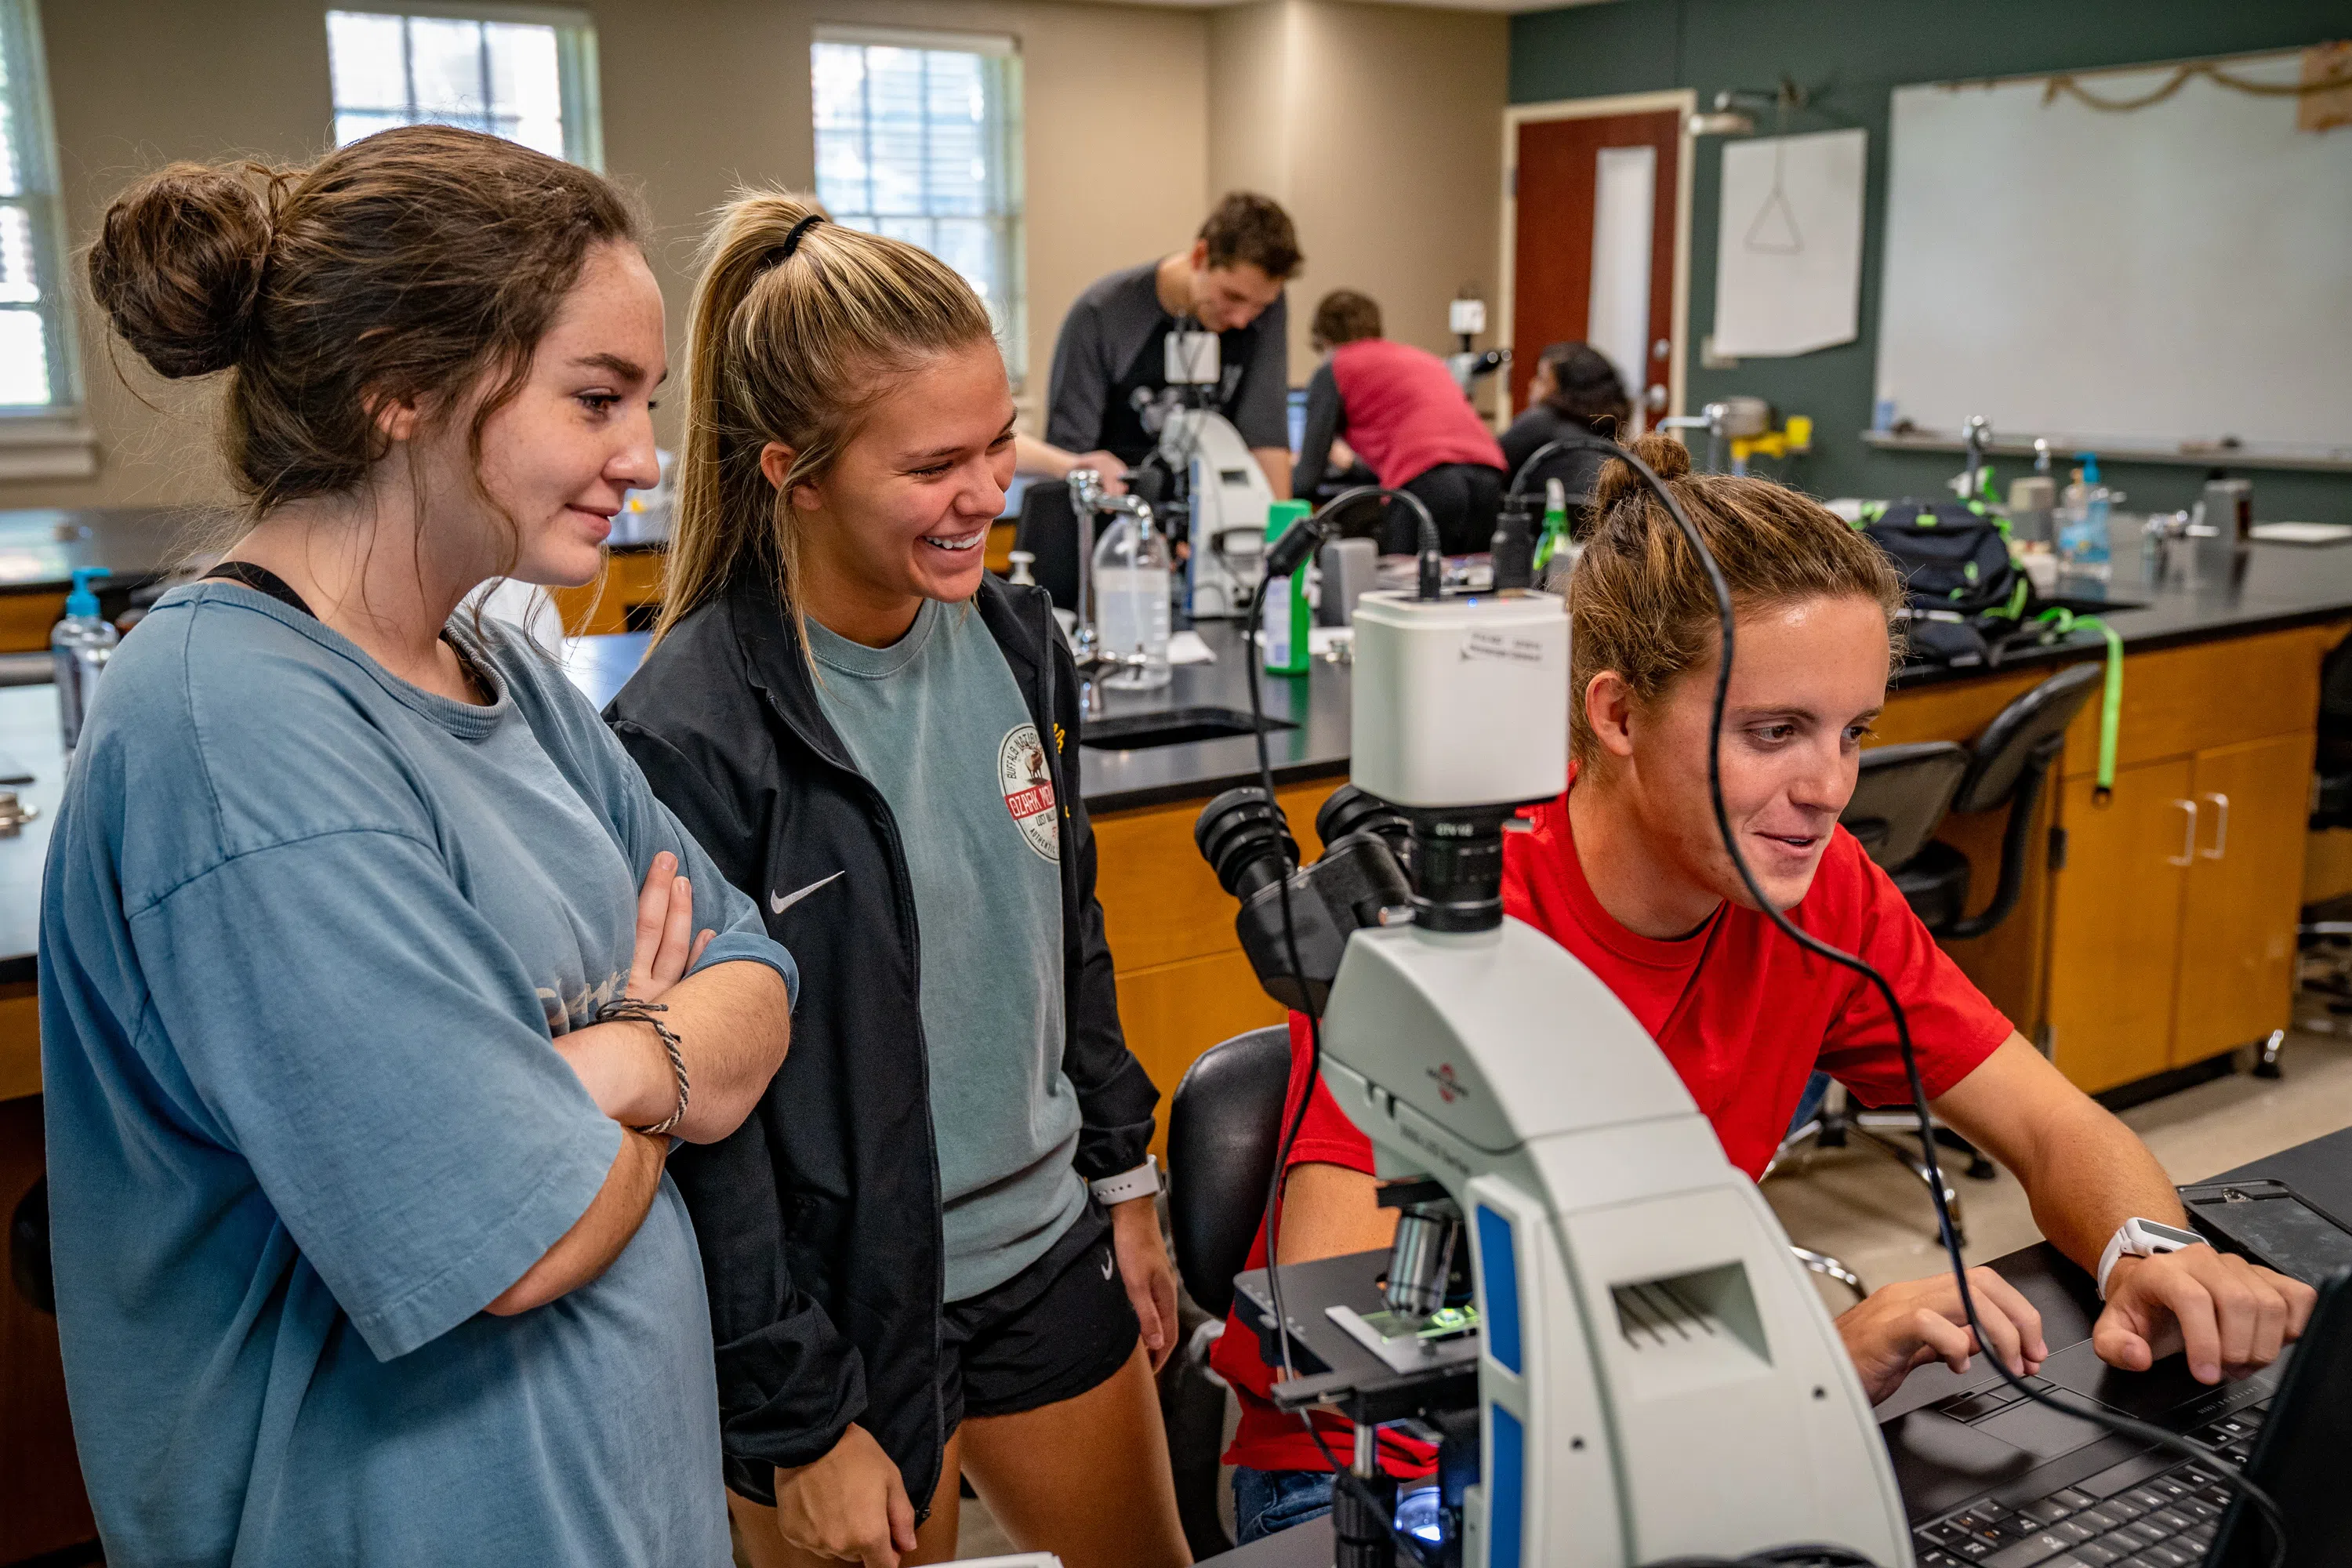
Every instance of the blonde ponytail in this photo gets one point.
(791, 339)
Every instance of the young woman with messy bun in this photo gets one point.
(371, 997)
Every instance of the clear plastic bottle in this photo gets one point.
(1131, 582)
(2083, 532)
(80, 645)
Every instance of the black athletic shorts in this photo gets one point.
(1058, 1327)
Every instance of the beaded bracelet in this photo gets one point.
(632, 1011)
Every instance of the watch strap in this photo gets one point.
(2130, 1241)
(1143, 1182)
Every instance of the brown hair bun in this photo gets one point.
(178, 265)
(1669, 457)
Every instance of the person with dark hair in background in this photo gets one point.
(1109, 392)
(1575, 390)
(371, 997)
(1402, 412)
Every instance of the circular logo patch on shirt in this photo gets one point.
(1029, 790)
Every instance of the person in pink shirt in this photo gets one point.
(1401, 414)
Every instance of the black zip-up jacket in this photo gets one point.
(819, 1218)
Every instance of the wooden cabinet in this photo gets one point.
(2116, 924)
(2236, 972)
(43, 1509)
(624, 598)
(2173, 921)
(1183, 985)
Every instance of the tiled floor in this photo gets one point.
(1863, 1208)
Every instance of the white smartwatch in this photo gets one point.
(2142, 1238)
(1143, 1182)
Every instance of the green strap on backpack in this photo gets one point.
(2111, 701)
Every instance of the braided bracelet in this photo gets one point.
(631, 1011)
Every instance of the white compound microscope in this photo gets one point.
(1652, 1373)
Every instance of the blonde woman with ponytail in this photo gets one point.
(934, 1250)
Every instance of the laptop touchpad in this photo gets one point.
(2040, 1431)
(1940, 1463)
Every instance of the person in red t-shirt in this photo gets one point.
(1628, 870)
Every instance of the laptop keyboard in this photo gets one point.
(2163, 1521)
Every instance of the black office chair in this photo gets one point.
(1901, 795)
(1047, 528)
(2008, 766)
(2323, 928)
(1223, 1131)
(28, 1249)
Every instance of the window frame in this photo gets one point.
(1011, 153)
(581, 104)
(51, 439)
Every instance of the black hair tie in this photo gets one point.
(793, 240)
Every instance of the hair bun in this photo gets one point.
(178, 265)
(1669, 457)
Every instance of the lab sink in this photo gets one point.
(1170, 727)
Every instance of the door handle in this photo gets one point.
(2188, 855)
(2221, 826)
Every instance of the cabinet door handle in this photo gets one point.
(2188, 855)
(2221, 826)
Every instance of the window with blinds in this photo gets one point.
(918, 137)
(35, 358)
(526, 73)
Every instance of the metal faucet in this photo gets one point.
(1715, 419)
(1087, 499)
(1975, 439)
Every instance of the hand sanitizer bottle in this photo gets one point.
(79, 647)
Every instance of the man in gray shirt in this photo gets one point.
(1109, 391)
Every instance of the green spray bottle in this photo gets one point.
(1283, 601)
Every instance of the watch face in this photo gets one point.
(2156, 1232)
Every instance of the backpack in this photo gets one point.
(1962, 591)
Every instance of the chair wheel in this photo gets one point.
(1980, 1169)
(2267, 1069)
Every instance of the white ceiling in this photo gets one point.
(1425, 5)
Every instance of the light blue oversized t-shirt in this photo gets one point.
(307, 931)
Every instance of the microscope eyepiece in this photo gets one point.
(1246, 839)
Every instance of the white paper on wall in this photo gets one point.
(1787, 267)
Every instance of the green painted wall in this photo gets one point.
(1859, 50)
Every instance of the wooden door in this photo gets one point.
(1556, 181)
(42, 1506)
(2237, 929)
(2116, 924)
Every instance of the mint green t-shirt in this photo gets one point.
(937, 723)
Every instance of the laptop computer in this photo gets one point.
(1993, 1480)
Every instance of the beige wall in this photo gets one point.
(1376, 123)
(1378, 126)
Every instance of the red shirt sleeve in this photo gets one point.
(1326, 1137)
(1953, 1027)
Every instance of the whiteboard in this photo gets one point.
(2160, 278)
